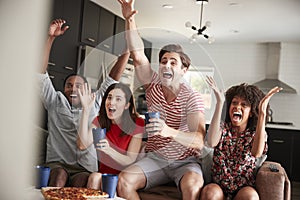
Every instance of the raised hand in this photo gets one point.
(127, 8)
(56, 28)
(263, 104)
(87, 98)
(218, 93)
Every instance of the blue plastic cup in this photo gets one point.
(109, 184)
(149, 115)
(42, 176)
(98, 134)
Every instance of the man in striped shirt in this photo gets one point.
(176, 138)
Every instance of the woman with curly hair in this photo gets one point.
(237, 141)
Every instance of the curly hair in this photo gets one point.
(252, 94)
(176, 48)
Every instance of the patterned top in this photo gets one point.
(175, 116)
(233, 165)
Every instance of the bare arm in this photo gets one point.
(260, 134)
(55, 29)
(135, 43)
(214, 133)
(194, 138)
(87, 99)
(131, 153)
(118, 68)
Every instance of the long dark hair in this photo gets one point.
(252, 94)
(129, 115)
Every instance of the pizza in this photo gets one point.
(72, 193)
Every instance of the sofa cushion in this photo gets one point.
(163, 192)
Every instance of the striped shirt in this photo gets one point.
(175, 116)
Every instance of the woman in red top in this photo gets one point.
(124, 129)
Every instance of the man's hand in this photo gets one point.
(127, 8)
(56, 28)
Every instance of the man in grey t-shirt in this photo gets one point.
(69, 165)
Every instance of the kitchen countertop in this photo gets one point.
(280, 126)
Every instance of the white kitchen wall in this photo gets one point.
(238, 63)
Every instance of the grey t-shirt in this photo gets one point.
(63, 123)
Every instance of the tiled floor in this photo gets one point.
(295, 190)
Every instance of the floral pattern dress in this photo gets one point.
(233, 165)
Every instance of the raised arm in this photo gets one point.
(118, 68)
(214, 133)
(55, 29)
(87, 99)
(260, 134)
(135, 43)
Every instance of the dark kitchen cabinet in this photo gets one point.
(97, 26)
(63, 55)
(106, 30)
(90, 23)
(296, 156)
(119, 36)
(280, 148)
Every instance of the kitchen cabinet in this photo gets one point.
(97, 26)
(280, 148)
(106, 30)
(119, 36)
(90, 23)
(63, 55)
(284, 147)
(296, 156)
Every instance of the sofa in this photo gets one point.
(269, 184)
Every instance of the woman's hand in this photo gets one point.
(56, 28)
(103, 145)
(87, 98)
(263, 104)
(219, 94)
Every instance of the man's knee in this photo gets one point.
(191, 182)
(58, 177)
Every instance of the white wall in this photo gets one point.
(23, 32)
(238, 63)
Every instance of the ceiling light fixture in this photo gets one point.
(167, 6)
(201, 29)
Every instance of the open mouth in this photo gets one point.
(73, 95)
(237, 116)
(167, 75)
(111, 110)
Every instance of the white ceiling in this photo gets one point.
(233, 21)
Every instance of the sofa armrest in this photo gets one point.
(272, 185)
